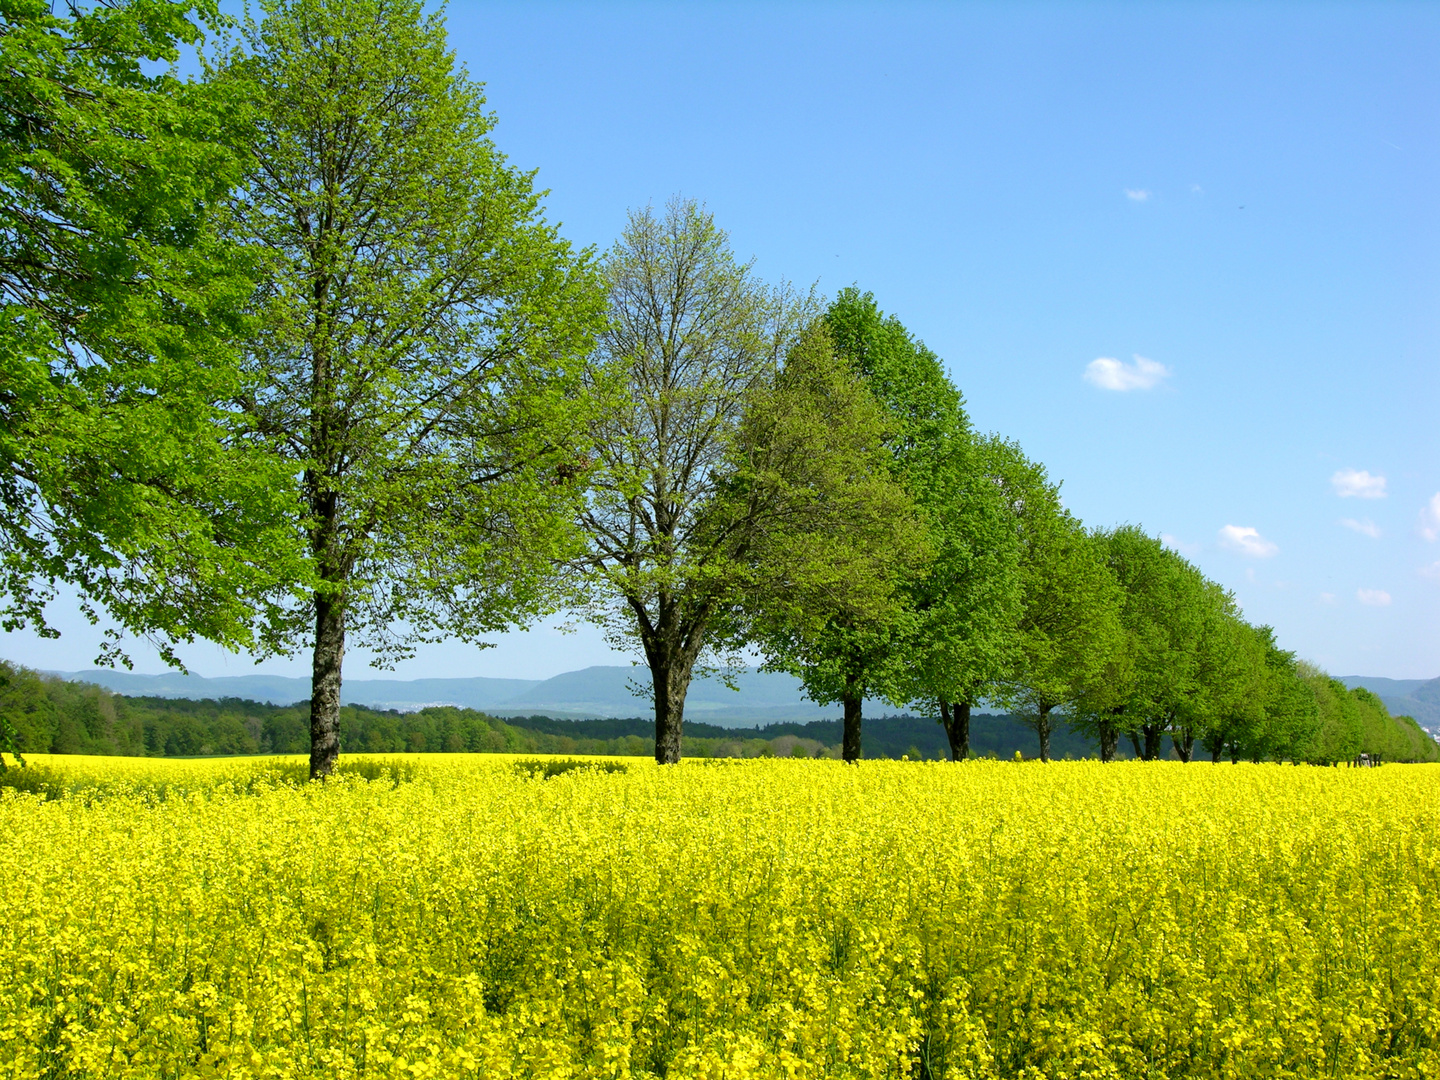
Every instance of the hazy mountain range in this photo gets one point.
(599, 692)
(594, 692)
(1419, 698)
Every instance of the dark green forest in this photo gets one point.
(54, 716)
(60, 717)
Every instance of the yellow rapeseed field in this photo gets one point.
(766, 918)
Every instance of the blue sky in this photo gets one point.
(1188, 255)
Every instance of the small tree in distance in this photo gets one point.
(1219, 662)
(1162, 608)
(1069, 629)
(1238, 703)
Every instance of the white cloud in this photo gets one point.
(1373, 597)
(1137, 194)
(1247, 541)
(1359, 484)
(1365, 527)
(1430, 519)
(1327, 598)
(1432, 571)
(1110, 374)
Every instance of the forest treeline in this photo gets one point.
(293, 360)
(56, 716)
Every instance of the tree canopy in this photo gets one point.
(124, 473)
(1069, 629)
(847, 655)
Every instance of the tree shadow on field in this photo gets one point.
(50, 783)
(545, 769)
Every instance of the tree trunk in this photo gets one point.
(1109, 739)
(850, 748)
(323, 499)
(1135, 742)
(671, 679)
(328, 658)
(1184, 741)
(1214, 742)
(956, 719)
(1154, 737)
(1109, 732)
(672, 645)
(1042, 728)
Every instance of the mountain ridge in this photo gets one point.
(596, 692)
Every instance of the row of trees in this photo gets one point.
(292, 359)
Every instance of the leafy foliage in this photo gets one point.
(1150, 684)
(944, 634)
(124, 473)
(1069, 629)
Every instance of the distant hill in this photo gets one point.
(606, 692)
(198, 717)
(56, 716)
(475, 693)
(69, 716)
(599, 692)
(1418, 698)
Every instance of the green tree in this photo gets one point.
(944, 637)
(1291, 709)
(23, 714)
(843, 537)
(1240, 708)
(1099, 713)
(1222, 664)
(123, 473)
(1171, 671)
(737, 479)
(692, 335)
(1179, 643)
(1287, 720)
(853, 654)
(1069, 629)
(1346, 723)
(969, 603)
(421, 344)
